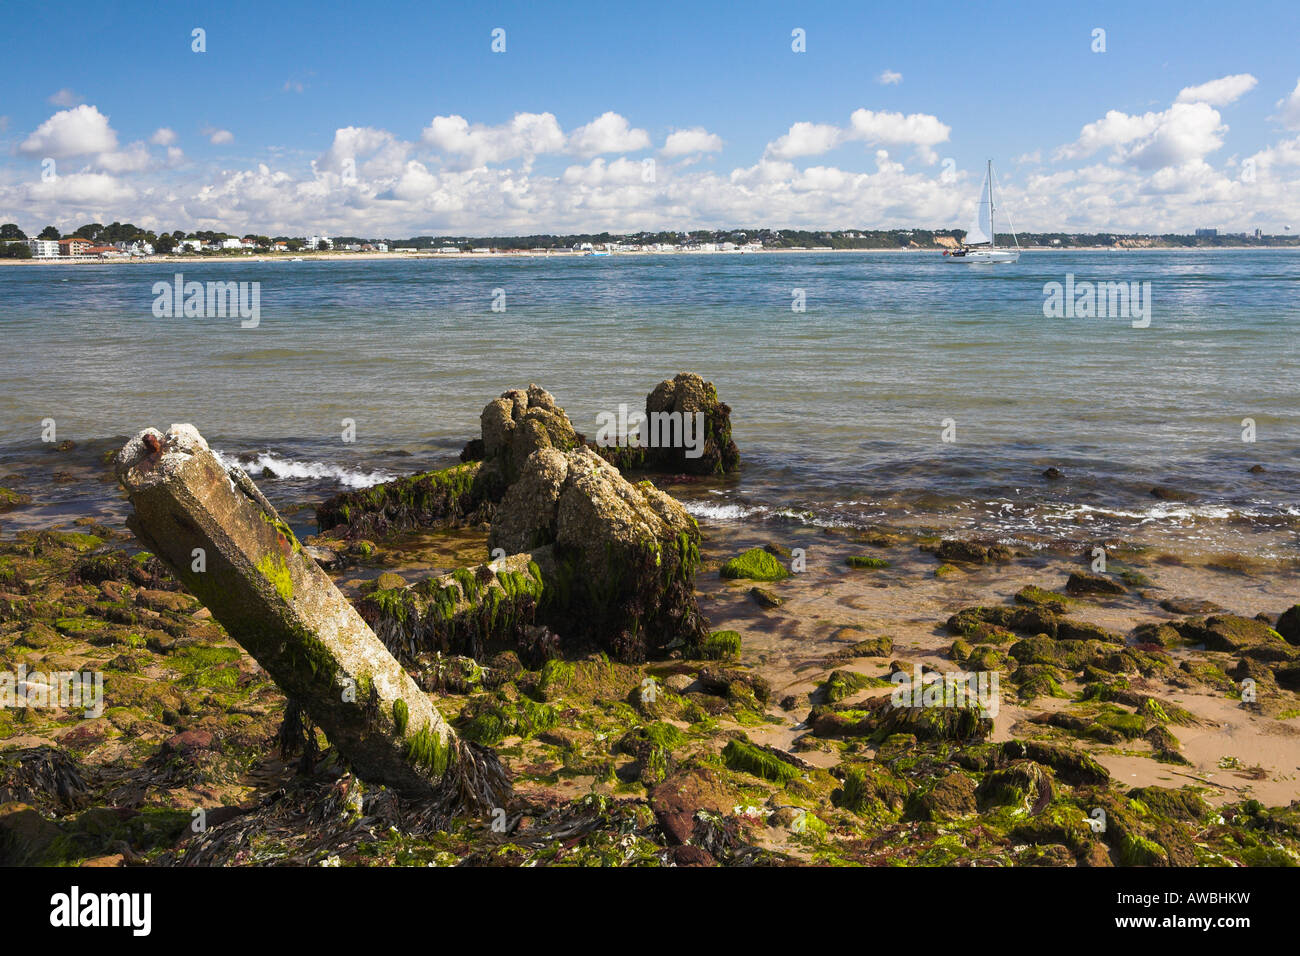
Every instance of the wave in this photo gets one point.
(266, 462)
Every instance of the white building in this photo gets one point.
(320, 242)
(44, 248)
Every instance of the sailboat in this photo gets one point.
(981, 231)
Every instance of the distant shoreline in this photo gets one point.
(565, 254)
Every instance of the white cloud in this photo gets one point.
(889, 78)
(163, 136)
(684, 142)
(218, 137)
(364, 152)
(1185, 132)
(132, 159)
(894, 129)
(1289, 109)
(79, 131)
(66, 97)
(526, 135)
(1219, 92)
(871, 128)
(607, 133)
(806, 139)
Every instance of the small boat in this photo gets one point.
(593, 253)
(973, 249)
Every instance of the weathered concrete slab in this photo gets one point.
(231, 549)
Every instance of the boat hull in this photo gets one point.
(987, 257)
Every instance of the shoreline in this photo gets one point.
(423, 256)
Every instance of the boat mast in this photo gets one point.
(993, 232)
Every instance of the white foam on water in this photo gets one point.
(282, 468)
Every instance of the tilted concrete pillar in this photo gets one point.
(230, 548)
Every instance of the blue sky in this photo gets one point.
(1018, 82)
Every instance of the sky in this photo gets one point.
(397, 119)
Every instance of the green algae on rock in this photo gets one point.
(756, 564)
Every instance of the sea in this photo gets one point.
(896, 390)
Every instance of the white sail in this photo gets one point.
(981, 228)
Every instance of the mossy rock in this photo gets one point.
(951, 797)
(870, 790)
(756, 564)
(1089, 583)
(766, 598)
(841, 684)
(1041, 597)
(865, 562)
(1183, 804)
(760, 761)
(1024, 785)
(10, 499)
(721, 646)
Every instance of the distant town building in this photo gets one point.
(44, 248)
(74, 247)
(1206, 233)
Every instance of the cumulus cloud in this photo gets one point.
(889, 78)
(79, 131)
(132, 159)
(806, 139)
(1149, 172)
(1220, 92)
(1289, 109)
(365, 152)
(1186, 132)
(218, 137)
(872, 128)
(607, 133)
(526, 135)
(684, 142)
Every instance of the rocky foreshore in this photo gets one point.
(657, 692)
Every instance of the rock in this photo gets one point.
(1024, 784)
(25, 835)
(756, 564)
(676, 801)
(1053, 474)
(970, 552)
(10, 499)
(165, 600)
(1165, 493)
(1288, 625)
(1069, 630)
(1237, 635)
(765, 598)
(623, 557)
(1181, 605)
(951, 797)
(452, 497)
(526, 517)
(1256, 469)
(1086, 582)
(518, 424)
(688, 394)
(721, 681)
